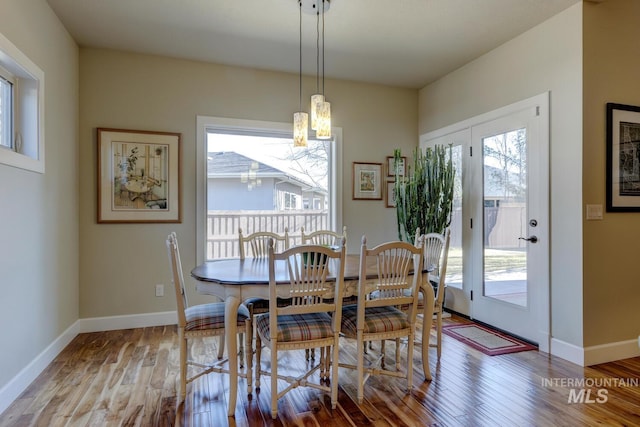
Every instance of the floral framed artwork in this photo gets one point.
(623, 158)
(402, 166)
(367, 181)
(391, 194)
(138, 176)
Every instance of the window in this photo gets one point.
(6, 109)
(251, 177)
(21, 109)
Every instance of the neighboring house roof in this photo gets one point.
(229, 164)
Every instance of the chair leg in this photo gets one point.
(241, 350)
(183, 365)
(221, 347)
(258, 356)
(439, 333)
(334, 373)
(409, 362)
(361, 346)
(248, 336)
(274, 380)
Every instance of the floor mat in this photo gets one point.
(486, 340)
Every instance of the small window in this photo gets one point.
(21, 109)
(6, 109)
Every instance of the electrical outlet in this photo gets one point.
(159, 290)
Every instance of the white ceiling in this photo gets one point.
(407, 43)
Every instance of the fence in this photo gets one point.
(222, 227)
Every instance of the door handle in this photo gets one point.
(532, 239)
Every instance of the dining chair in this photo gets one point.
(376, 316)
(310, 318)
(436, 254)
(204, 320)
(323, 237)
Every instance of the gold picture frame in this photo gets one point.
(138, 176)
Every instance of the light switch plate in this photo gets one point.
(594, 212)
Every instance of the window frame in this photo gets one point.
(27, 147)
(205, 124)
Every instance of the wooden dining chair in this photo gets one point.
(376, 316)
(323, 237)
(256, 245)
(309, 319)
(436, 254)
(204, 320)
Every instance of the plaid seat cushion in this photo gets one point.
(297, 327)
(376, 319)
(211, 316)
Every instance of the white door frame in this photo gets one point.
(541, 103)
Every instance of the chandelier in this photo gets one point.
(320, 108)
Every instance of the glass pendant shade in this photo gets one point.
(315, 100)
(300, 129)
(323, 130)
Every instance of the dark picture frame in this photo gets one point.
(367, 181)
(391, 173)
(138, 176)
(623, 158)
(391, 194)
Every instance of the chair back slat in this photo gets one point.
(323, 237)
(258, 243)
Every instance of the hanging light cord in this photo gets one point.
(300, 65)
(318, 49)
(323, 47)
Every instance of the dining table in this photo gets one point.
(234, 280)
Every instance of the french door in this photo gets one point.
(509, 158)
(500, 269)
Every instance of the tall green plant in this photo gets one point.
(424, 196)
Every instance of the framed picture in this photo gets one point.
(367, 181)
(138, 176)
(391, 194)
(623, 158)
(402, 166)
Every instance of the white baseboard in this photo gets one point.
(10, 391)
(610, 352)
(587, 356)
(112, 323)
(567, 351)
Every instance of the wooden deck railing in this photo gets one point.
(222, 227)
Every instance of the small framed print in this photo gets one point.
(391, 194)
(138, 176)
(367, 181)
(402, 166)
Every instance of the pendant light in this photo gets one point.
(300, 118)
(317, 97)
(323, 108)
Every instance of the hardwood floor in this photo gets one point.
(128, 378)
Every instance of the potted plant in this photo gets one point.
(424, 196)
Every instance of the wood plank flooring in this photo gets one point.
(128, 378)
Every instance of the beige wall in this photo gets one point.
(545, 58)
(120, 263)
(611, 246)
(39, 213)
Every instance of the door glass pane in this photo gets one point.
(454, 261)
(505, 216)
